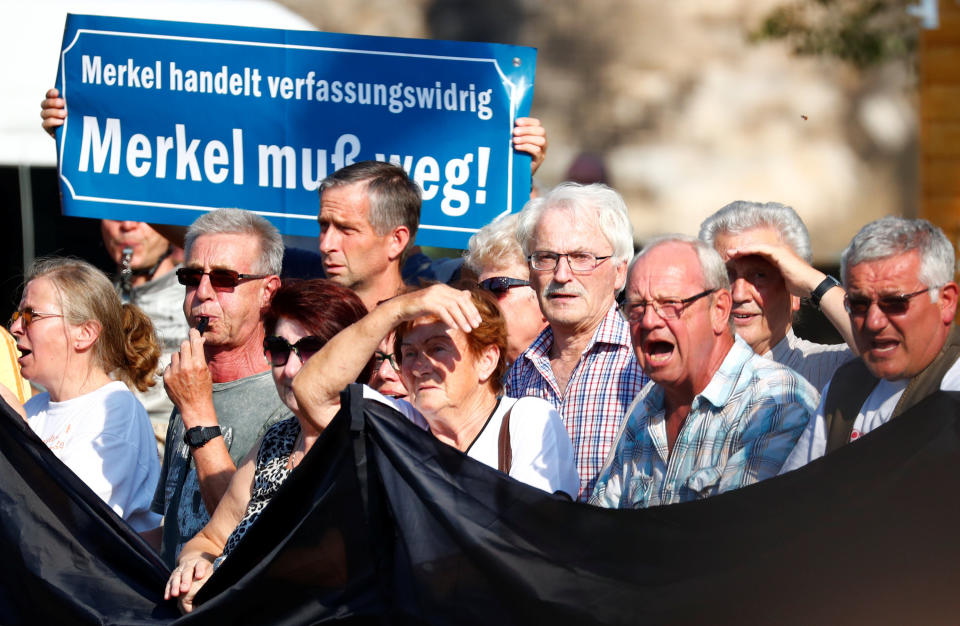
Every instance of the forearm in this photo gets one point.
(833, 309)
(318, 384)
(215, 469)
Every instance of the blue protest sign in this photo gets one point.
(169, 119)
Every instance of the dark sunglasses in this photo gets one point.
(219, 278)
(499, 285)
(277, 349)
(890, 305)
(29, 315)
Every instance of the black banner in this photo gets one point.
(382, 523)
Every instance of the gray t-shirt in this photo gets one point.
(245, 409)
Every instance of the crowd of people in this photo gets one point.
(557, 355)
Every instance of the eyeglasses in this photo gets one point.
(633, 312)
(890, 305)
(578, 261)
(277, 349)
(380, 356)
(499, 285)
(219, 278)
(29, 315)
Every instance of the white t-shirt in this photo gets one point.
(542, 455)
(105, 437)
(875, 412)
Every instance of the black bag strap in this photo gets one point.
(504, 449)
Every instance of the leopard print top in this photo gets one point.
(278, 443)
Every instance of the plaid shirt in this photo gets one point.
(739, 431)
(600, 388)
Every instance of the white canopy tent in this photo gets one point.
(30, 37)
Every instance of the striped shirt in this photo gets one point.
(814, 361)
(601, 386)
(739, 431)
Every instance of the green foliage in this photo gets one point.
(862, 32)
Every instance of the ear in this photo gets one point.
(487, 362)
(85, 335)
(720, 311)
(947, 299)
(794, 303)
(269, 287)
(621, 277)
(399, 237)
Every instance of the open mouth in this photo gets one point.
(658, 351)
(882, 346)
(23, 351)
(744, 317)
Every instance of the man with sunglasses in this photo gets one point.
(497, 259)
(767, 250)
(219, 381)
(902, 301)
(578, 240)
(717, 415)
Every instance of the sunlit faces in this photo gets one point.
(899, 346)
(521, 310)
(439, 370)
(234, 313)
(385, 378)
(762, 306)
(148, 245)
(574, 302)
(283, 375)
(354, 255)
(676, 353)
(45, 344)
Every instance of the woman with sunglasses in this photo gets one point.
(77, 341)
(451, 346)
(302, 316)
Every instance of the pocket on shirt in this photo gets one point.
(704, 481)
(638, 491)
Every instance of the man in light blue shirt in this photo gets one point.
(715, 416)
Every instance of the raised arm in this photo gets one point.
(190, 387)
(318, 384)
(802, 279)
(53, 112)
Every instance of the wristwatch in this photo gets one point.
(825, 285)
(198, 436)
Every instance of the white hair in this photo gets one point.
(223, 221)
(740, 216)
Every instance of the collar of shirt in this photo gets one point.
(784, 346)
(612, 330)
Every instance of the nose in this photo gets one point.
(876, 319)
(205, 290)
(329, 240)
(740, 290)
(128, 225)
(293, 365)
(386, 372)
(17, 328)
(562, 272)
(650, 319)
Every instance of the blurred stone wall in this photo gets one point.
(688, 113)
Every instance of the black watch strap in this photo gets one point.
(198, 436)
(825, 285)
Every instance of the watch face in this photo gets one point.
(194, 437)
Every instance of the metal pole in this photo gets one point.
(26, 215)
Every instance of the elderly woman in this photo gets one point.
(74, 337)
(451, 346)
(302, 317)
(497, 259)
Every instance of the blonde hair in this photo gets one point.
(127, 346)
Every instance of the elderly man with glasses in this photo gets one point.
(717, 415)
(578, 240)
(219, 382)
(902, 300)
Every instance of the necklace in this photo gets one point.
(297, 454)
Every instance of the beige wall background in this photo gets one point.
(687, 111)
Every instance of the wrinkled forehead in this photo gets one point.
(893, 274)
(671, 266)
(569, 228)
(234, 251)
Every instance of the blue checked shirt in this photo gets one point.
(601, 386)
(739, 431)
